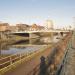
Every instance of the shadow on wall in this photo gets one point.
(43, 66)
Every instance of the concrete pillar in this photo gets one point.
(33, 35)
(30, 35)
(61, 33)
(52, 35)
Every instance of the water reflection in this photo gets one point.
(20, 46)
(38, 41)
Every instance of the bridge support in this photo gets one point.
(52, 35)
(33, 35)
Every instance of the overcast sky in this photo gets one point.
(37, 11)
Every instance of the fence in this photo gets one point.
(58, 67)
(10, 62)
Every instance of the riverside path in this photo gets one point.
(69, 64)
(26, 67)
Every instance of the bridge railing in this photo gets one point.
(32, 31)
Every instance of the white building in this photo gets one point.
(48, 24)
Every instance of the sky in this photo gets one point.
(62, 12)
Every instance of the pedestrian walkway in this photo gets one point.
(26, 67)
(69, 64)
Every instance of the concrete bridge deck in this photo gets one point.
(40, 31)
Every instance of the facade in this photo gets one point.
(4, 27)
(13, 28)
(41, 27)
(35, 27)
(49, 24)
(22, 27)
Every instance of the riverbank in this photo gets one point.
(13, 39)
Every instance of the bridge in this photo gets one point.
(52, 58)
(38, 33)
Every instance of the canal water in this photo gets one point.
(30, 45)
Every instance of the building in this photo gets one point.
(48, 24)
(13, 28)
(40, 27)
(22, 27)
(35, 27)
(4, 27)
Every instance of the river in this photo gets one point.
(29, 45)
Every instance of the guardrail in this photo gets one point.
(60, 70)
(4, 62)
(10, 62)
(58, 67)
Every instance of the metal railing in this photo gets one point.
(62, 71)
(59, 66)
(12, 61)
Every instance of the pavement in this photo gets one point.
(69, 65)
(26, 67)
